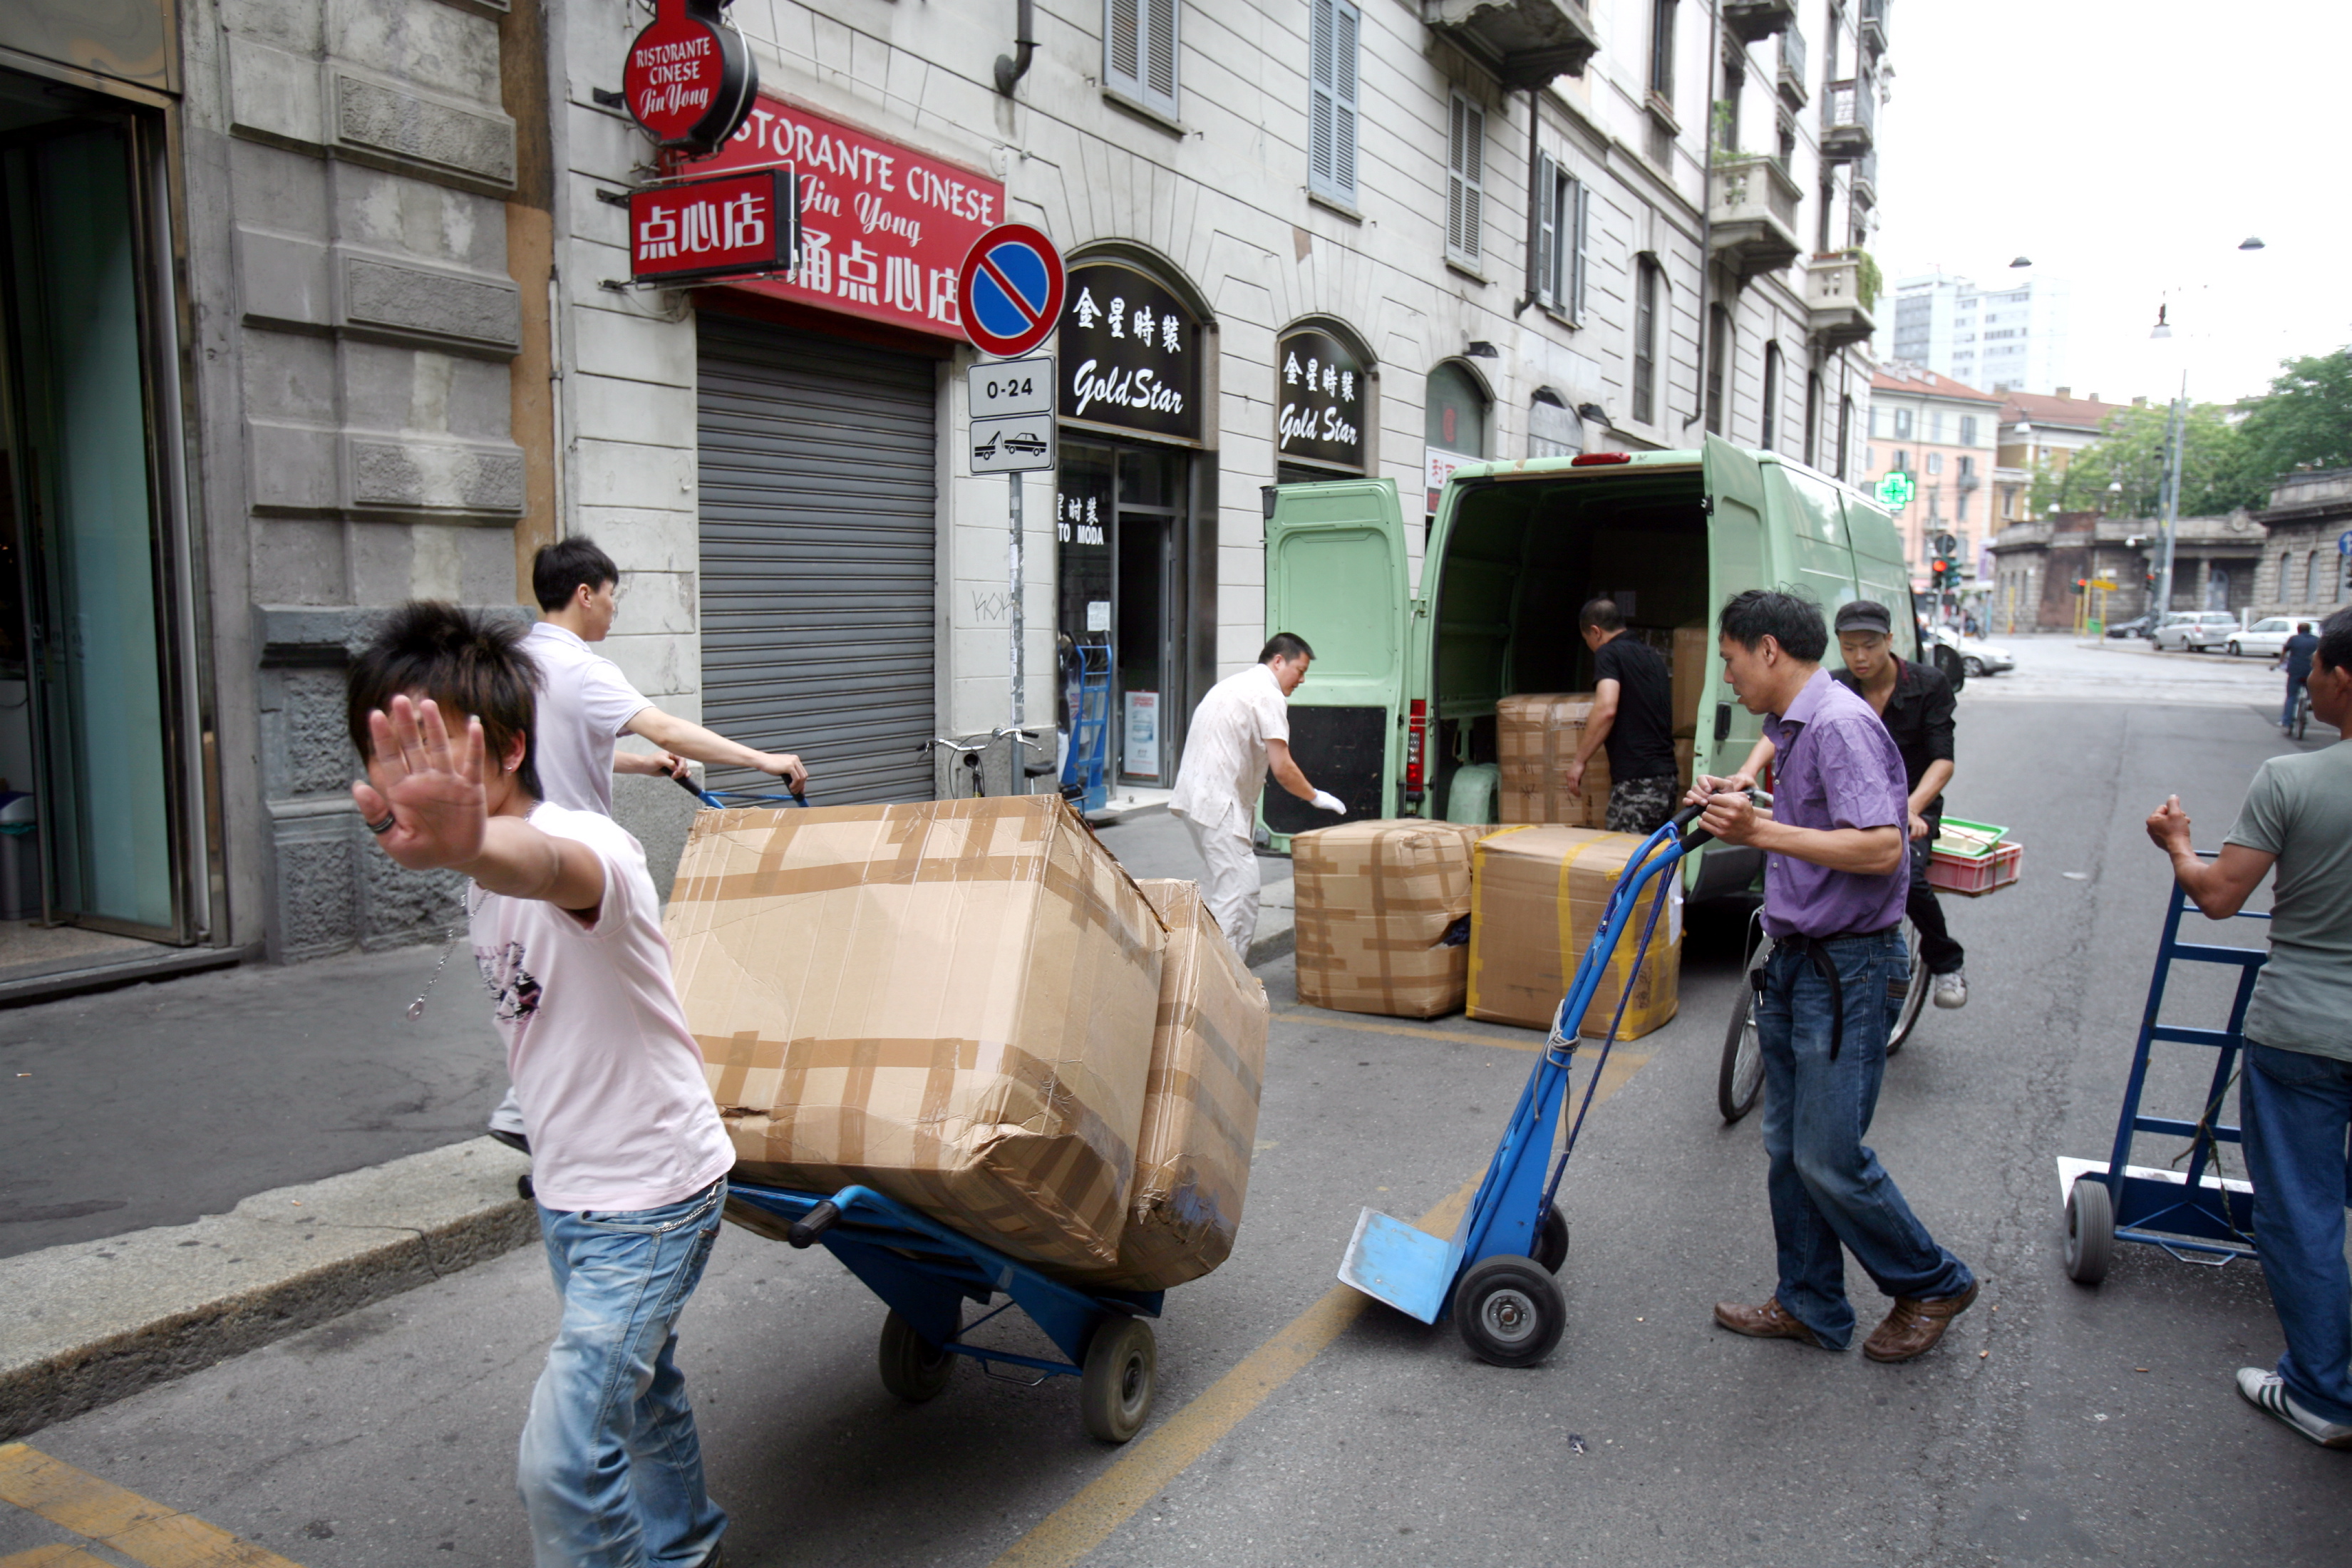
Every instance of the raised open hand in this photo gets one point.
(428, 784)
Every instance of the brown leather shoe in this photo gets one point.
(1769, 1322)
(1913, 1328)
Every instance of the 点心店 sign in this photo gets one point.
(1127, 350)
(731, 224)
(1322, 397)
(884, 228)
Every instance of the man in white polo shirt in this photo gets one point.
(585, 704)
(1239, 731)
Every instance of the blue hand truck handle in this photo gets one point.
(717, 800)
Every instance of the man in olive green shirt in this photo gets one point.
(2295, 1097)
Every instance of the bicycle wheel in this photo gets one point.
(1741, 1076)
(2302, 712)
(1914, 999)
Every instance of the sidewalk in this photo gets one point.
(200, 1166)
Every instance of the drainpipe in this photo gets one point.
(1012, 68)
(1707, 219)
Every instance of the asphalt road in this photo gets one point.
(2055, 1425)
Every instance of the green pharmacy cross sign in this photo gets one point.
(1896, 489)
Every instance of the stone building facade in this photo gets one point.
(2035, 565)
(2306, 570)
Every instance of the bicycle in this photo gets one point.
(1740, 1080)
(2302, 713)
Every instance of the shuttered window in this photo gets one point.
(1331, 115)
(1645, 341)
(1465, 175)
(1140, 53)
(1563, 212)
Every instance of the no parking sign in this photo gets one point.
(1011, 289)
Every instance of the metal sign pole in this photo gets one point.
(1012, 552)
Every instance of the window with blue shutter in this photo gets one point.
(1140, 53)
(1331, 44)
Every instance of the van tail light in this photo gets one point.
(1416, 742)
(1594, 459)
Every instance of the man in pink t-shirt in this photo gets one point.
(630, 1156)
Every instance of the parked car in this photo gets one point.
(1976, 658)
(2137, 627)
(2265, 637)
(2193, 630)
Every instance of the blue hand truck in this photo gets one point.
(1496, 1274)
(924, 1272)
(2197, 1215)
(720, 799)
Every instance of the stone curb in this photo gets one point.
(94, 1321)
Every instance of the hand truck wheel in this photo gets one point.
(912, 1367)
(1551, 1241)
(2090, 1230)
(1121, 1374)
(1508, 1311)
(1916, 998)
(1741, 1080)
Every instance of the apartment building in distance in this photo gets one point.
(2044, 427)
(2008, 339)
(1944, 435)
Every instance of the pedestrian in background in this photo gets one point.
(630, 1156)
(1634, 716)
(1834, 886)
(2295, 656)
(2295, 1096)
(1239, 731)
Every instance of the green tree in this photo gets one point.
(2130, 453)
(2305, 418)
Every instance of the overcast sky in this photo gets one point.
(2127, 148)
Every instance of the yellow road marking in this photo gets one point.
(54, 1557)
(120, 1521)
(1149, 1463)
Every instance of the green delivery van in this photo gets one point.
(1400, 699)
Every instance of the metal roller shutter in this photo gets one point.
(818, 472)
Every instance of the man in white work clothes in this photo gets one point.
(1239, 731)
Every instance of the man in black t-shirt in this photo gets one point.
(1633, 716)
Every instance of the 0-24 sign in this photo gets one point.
(1005, 387)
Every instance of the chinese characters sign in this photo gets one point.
(689, 78)
(884, 228)
(1128, 348)
(1320, 393)
(704, 228)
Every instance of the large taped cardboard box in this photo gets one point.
(1200, 1104)
(1687, 674)
(1536, 737)
(1537, 900)
(1373, 903)
(950, 1003)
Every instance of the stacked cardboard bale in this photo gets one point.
(1538, 893)
(1536, 737)
(953, 1004)
(1200, 1104)
(1376, 902)
(1686, 672)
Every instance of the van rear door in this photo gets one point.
(1735, 561)
(1335, 575)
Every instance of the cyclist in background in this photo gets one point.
(2295, 656)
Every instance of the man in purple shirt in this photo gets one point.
(1834, 886)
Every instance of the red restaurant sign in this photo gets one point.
(688, 76)
(884, 228)
(698, 228)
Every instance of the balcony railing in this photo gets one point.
(1751, 21)
(1848, 120)
(1841, 289)
(1790, 78)
(1526, 43)
(1874, 26)
(1865, 178)
(1752, 213)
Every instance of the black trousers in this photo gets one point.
(1938, 950)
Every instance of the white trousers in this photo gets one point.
(1230, 889)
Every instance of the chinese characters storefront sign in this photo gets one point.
(1128, 349)
(884, 228)
(1320, 393)
(689, 78)
(732, 225)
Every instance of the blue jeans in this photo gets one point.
(2294, 1109)
(2294, 690)
(1827, 1187)
(611, 1470)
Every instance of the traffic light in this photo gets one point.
(1939, 573)
(2081, 583)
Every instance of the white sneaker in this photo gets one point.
(1951, 990)
(2264, 1391)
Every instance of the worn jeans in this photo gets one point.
(2294, 1111)
(1938, 950)
(611, 1470)
(2294, 690)
(1826, 1185)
